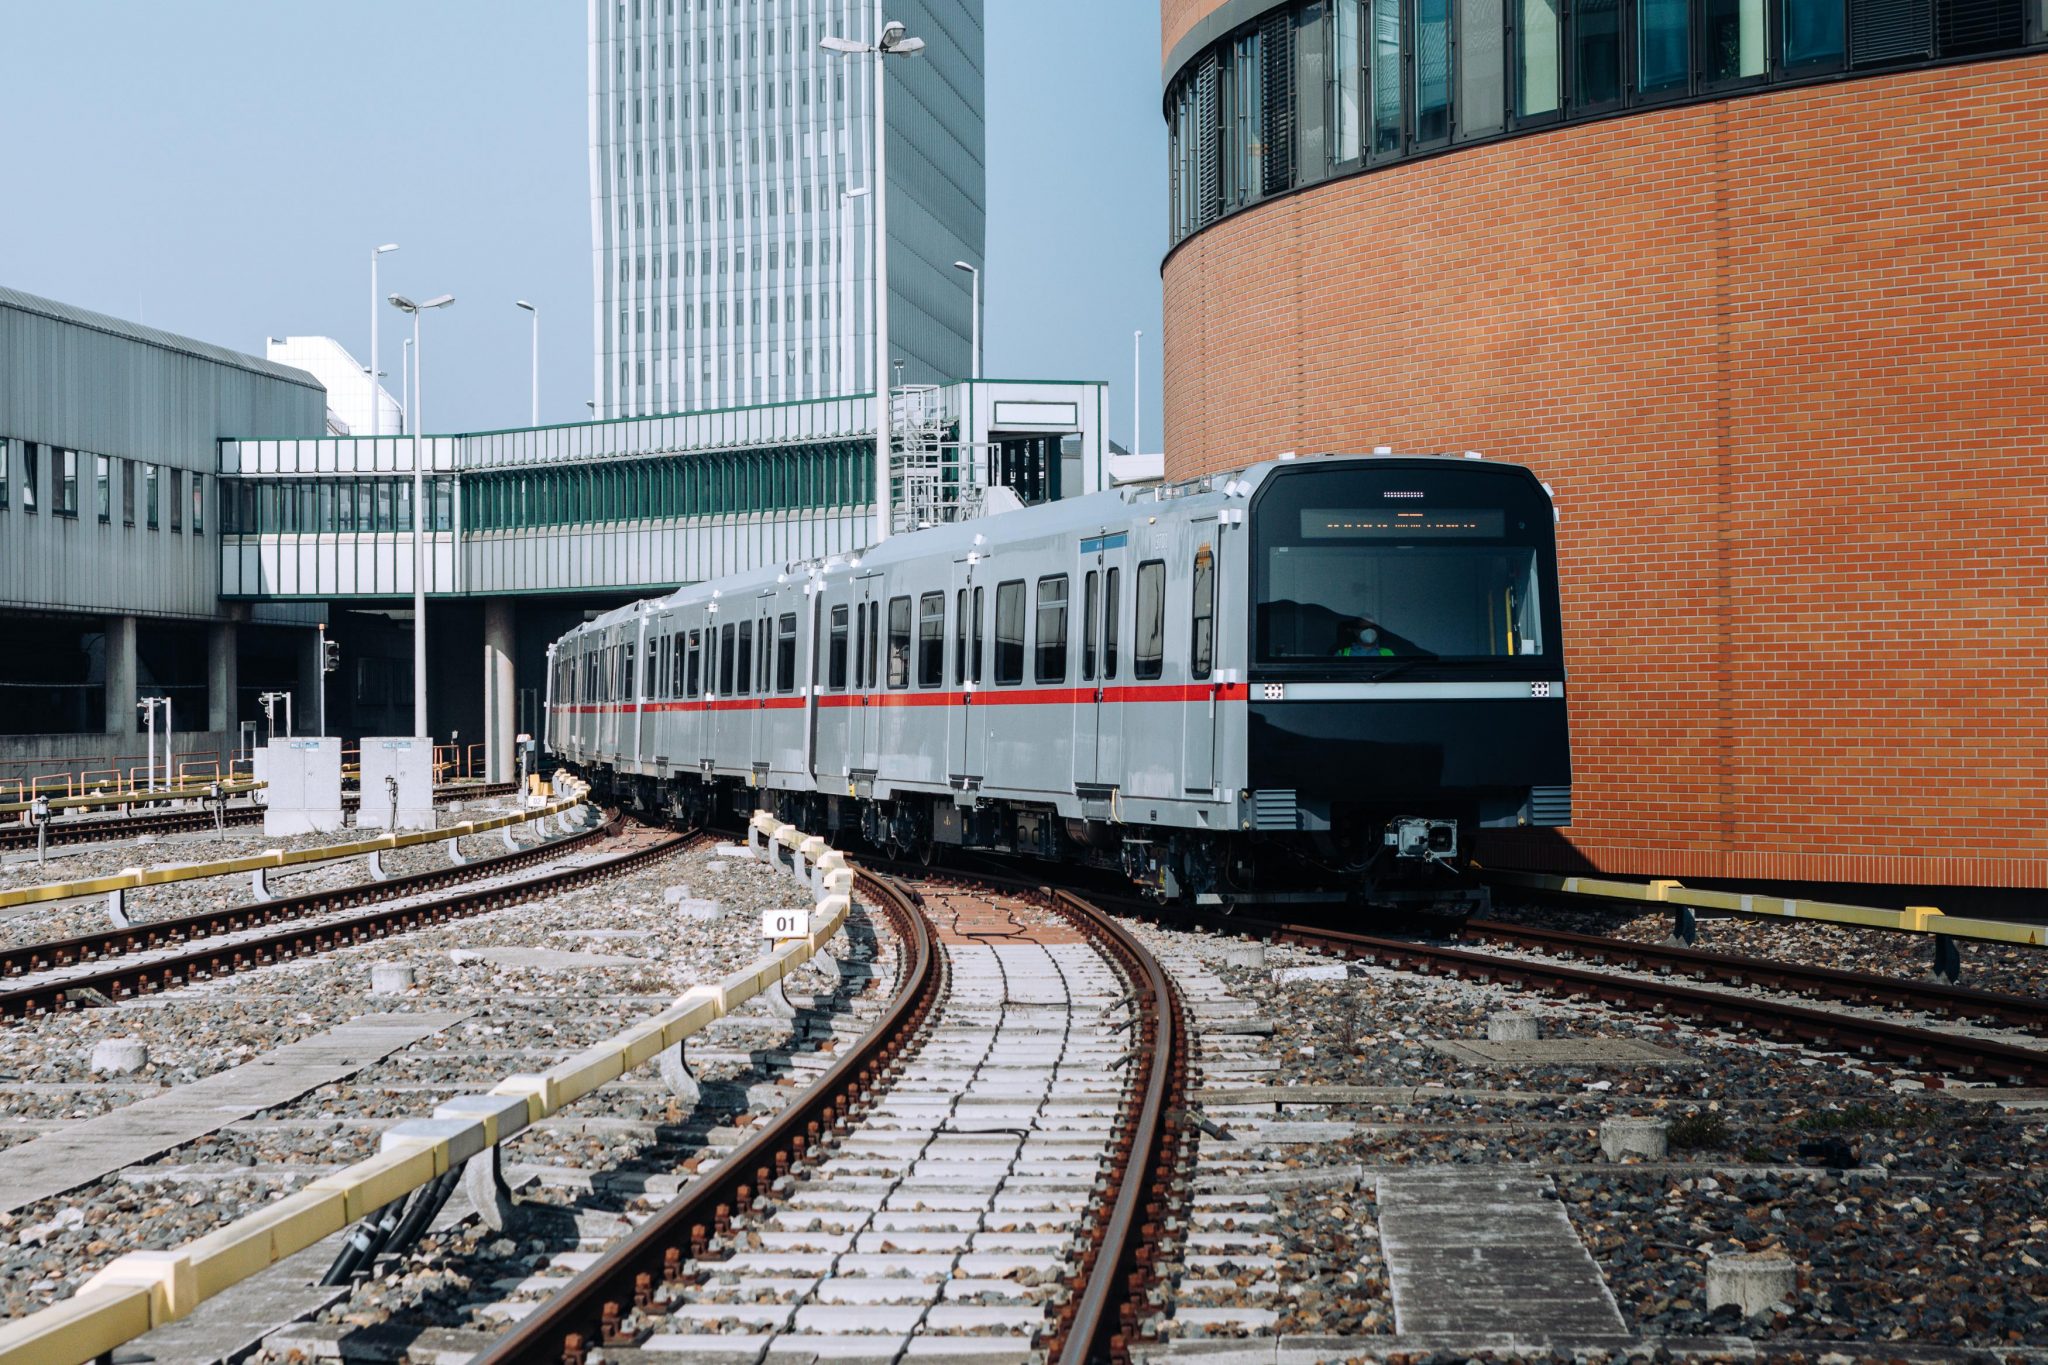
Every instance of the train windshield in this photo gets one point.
(1360, 569)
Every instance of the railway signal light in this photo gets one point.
(330, 656)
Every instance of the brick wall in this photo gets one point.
(1785, 360)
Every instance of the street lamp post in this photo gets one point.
(890, 41)
(1137, 389)
(405, 385)
(376, 408)
(419, 520)
(974, 346)
(535, 419)
(846, 375)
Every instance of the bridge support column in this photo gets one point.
(122, 717)
(501, 701)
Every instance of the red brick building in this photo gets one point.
(1775, 326)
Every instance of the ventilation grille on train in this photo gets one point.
(1550, 805)
(1274, 809)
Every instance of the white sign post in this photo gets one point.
(785, 924)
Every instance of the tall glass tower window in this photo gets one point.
(1386, 77)
(1539, 59)
(1813, 34)
(1482, 69)
(1432, 71)
(1596, 54)
(1347, 79)
(1663, 46)
(1731, 40)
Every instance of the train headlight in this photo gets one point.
(1422, 839)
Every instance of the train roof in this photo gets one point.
(1091, 511)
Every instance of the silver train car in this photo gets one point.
(1314, 677)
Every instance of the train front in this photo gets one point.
(1407, 683)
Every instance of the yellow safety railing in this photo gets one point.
(1914, 919)
(135, 796)
(273, 859)
(146, 1289)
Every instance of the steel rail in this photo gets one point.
(1831, 1030)
(87, 830)
(1930, 997)
(1104, 1319)
(147, 978)
(594, 1310)
(148, 935)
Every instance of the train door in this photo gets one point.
(1097, 711)
(760, 729)
(868, 655)
(963, 732)
(1201, 713)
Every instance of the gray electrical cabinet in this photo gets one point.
(303, 795)
(399, 768)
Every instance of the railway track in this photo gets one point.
(90, 829)
(1833, 983)
(1906, 1045)
(51, 954)
(1003, 1124)
(58, 989)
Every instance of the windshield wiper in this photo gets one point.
(1402, 665)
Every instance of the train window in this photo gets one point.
(960, 638)
(1052, 628)
(1202, 640)
(763, 652)
(725, 659)
(835, 677)
(626, 674)
(1010, 632)
(1149, 646)
(676, 652)
(785, 652)
(875, 639)
(931, 639)
(974, 667)
(899, 642)
(1091, 607)
(743, 683)
(691, 676)
(1109, 622)
(864, 648)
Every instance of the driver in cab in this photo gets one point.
(1363, 637)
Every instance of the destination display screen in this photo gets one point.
(1402, 523)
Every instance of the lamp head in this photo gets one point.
(962, 265)
(833, 43)
(438, 301)
(388, 246)
(404, 304)
(527, 306)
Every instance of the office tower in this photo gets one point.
(731, 263)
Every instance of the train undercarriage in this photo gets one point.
(1369, 861)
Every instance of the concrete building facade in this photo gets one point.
(109, 543)
(731, 261)
(1764, 307)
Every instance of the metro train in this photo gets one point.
(1312, 678)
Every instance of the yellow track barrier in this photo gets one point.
(1914, 919)
(142, 1290)
(138, 796)
(274, 859)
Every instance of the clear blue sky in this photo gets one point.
(221, 168)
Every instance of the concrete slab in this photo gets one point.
(48, 1166)
(233, 1322)
(1018, 1319)
(894, 1319)
(1482, 1251)
(541, 959)
(861, 1289)
(1562, 1052)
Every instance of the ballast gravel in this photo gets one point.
(1916, 1211)
(623, 953)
